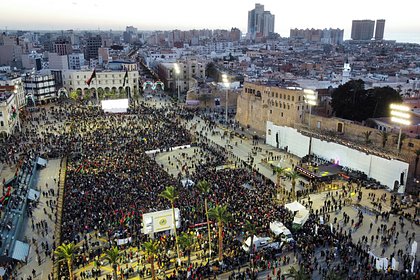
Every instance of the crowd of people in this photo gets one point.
(111, 182)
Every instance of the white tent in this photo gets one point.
(295, 206)
(301, 217)
(187, 183)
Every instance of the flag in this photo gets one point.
(93, 76)
(125, 78)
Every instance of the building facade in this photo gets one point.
(62, 46)
(76, 61)
(9, 113)
(380, 29)
(325, 36)
(41, 87)
(9, 83)
(259, 103)
(107, 81)
(362, 29)
(190, 72)
(92, 46)
(57, 61)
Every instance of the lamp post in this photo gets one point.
(310, 99)
(226, 85)
(177, 72)
(400, 115)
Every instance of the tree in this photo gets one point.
(113, 257)
(293, 175)
(73, 95)
(151, 249)
(417, 152)
(351, 101)
(65, 253)
(204, 188)
(366, 136)
(186, 242)
(298, 274)
(279, 171)
(171, 194)
(384, 137)
(221, 216)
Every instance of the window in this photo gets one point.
(272, 94)
(411, 145)
(271, 111)
(293, 98)
(1, 123)
(77, 77)
(277, 95)
(298, 108)
(280, 96)
(299, 98)
(1, 114)
(288, 97)
(282, 114)
(269, 132)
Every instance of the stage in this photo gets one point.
(322, 172)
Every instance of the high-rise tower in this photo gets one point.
(380, 28)
(260, 22)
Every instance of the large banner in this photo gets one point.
(160, 221)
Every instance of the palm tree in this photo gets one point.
(65, 253)
(366, 135)
(417, 162)
(113, 257)
(293, 175)
(171, 194)
(251, 230)
(222, 216)
(384, 136)
(151, 249)
(279, 171)
(204, 188)
(297, 274)
(186, 242)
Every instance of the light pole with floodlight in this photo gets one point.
(226, 85)
(400, 115)
(310, 99)
(177, 72)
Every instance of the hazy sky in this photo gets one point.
(402, 20)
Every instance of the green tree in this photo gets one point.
(298, 274)
(171, 194)
(366, 136)
(384, 137)
(221, 216)
(151, 249)
(65, 253)
(293, 175)
(187, 241)
(383, 97)
(204, 188)
(351, 101)
(73, 95)
(113, 257)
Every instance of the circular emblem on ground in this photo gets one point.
(162, 222)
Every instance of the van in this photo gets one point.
(280, 230)
(260, 243)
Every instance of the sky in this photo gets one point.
(402, 20)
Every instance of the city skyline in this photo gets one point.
(401, 22)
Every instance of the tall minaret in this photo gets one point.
(346, 72)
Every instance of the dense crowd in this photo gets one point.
(111, 182)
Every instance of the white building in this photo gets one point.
(9, 113)
(106, 81)
(14, 84)
(41, 87)
(76, 61)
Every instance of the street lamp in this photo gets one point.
(310, 99)
(400, 115)
(177, 72)
(226, 85)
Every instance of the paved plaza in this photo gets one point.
(240, 153)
